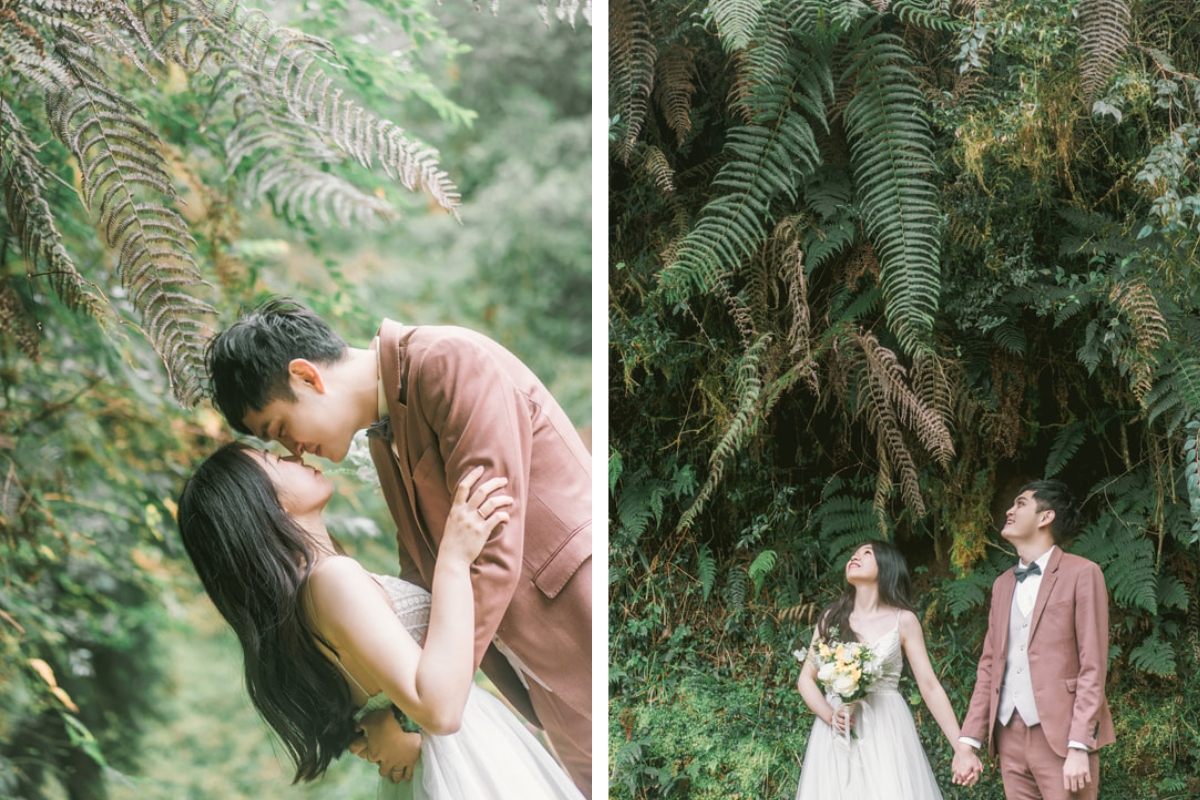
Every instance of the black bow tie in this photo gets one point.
(1024, 572)
(381, 430)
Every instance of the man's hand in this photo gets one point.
(1077, 770)
(967, 766)
(385, 743)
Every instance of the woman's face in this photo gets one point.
(302, 489)
(862, 567)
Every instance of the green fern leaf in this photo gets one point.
(736, 21)
(891, 152)
(765, 164)
(761, 567)
(1066, 442)
(1154, 655)
(706, 569)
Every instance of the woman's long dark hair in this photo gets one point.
(895, 589)
(248, 551)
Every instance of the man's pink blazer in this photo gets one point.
(1068, 656)
(457, 400)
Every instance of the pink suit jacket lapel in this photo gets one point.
(1047, 586)
(389, 343)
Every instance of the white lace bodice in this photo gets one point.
(411, 604)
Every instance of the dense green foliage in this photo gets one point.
(101, 632)
(872, 267)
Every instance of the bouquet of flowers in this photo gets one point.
(848, 670)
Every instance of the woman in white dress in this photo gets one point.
(326, 643)
(873, 753)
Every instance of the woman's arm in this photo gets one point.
(431, 685)
(814, 698)
(913, 640)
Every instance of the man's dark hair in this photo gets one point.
(1052, 494)
(247, 362)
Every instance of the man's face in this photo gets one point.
(313, 422)
(1023, 519)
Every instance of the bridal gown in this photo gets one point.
(886, 761)
(491, 757)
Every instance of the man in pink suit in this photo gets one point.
(1039, 689)
(437, 402)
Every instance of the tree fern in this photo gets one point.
(1104, 28)
(891, 152)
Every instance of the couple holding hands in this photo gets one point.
(1038, 700)
(489, 486)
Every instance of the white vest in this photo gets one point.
(1017, 691)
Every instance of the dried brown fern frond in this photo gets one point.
(1137, 303)
(659, 168)
(934, 387)
(674, 87)
(788, 260)
(889, 405)
(631, 62)
(1008, 380)
(289, 113)
(23, 180)
(1104, 27)
(123, 179)
(14, 320)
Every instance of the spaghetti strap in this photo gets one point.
(312, 610)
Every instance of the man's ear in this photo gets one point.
(1047, 518)
(307, 373)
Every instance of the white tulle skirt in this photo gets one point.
(885, 762)
(492, 757)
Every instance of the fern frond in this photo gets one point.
(1127, 557)
(119, 164)
(1136, 301)
(762, 65)
(674, 87)
(1104, 28)
(631, 61)
(300, 190)
(765, 163)
(888, 403)
(1066, 442)
(748, 390)
(736, 21)
(1154, 655)
(30, 219)
(287, 106)
(14, 320)
(891, 151)
(706, 569)
(659, 169)
(1009, 337)
(761, 567)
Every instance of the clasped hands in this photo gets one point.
(967, 766)
(385, 743)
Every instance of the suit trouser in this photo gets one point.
(1031, 770)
